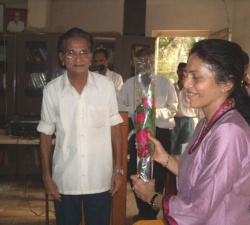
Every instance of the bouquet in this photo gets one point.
(144, 115)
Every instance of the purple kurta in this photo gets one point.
(214, 181)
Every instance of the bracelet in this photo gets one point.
(167, 162)
(153, 200)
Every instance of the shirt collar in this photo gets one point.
(66, 86)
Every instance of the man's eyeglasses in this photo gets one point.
(72, 54)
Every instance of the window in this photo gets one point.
(172, 47)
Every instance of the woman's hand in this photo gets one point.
(160, 155)
(144, 190)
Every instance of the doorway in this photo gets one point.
(172, 47)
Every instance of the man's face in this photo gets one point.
(180, 73)
(78, 63)
(100, 59)
(17, 17)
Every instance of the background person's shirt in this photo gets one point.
(15, 27)
(116, 78)
(166, 101)
(184, 108)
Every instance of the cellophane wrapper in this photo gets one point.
(144, 115)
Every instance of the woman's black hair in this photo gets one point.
(75, 33)
(226, 59)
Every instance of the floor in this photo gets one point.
(23, 203)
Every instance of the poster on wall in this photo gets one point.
(15, 19)
(1, 17)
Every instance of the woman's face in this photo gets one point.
(202, 89)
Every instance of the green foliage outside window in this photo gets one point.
(172, 51)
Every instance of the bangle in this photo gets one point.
(167, 162)
(153, 200)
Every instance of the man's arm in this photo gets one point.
(116, 136)
(125, 98)
(45, 148)
(45, 154)
(171, 104)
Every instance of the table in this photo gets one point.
(10, 140)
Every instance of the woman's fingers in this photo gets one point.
(151, 138)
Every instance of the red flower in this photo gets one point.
(143, 150)
(142, 137)
(140, 117)
(148, 102)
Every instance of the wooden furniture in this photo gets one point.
(8, 154)
(7, 77)
(150, 222)
(37, 64)
(20, 156)
(119, 200)
(122, 50)
(30, 60)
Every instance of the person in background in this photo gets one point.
(214, 171)
(80, 107)
(184, 118)
(16, 25)
(246, 81)
(101, 57)
(166, 108)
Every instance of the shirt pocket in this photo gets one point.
(97, 116)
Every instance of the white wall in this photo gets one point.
(241, 24)
(210, 15)
(90, 15)
(39, 13)
(107, 16)
(187, 15)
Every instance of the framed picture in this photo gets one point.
(1, 17)
(15, 19)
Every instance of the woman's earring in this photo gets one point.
(222, 90)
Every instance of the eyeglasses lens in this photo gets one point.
(72, 54)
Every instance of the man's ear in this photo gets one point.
(61, 58)
(91, 56)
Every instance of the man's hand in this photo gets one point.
(51, 188)
(116, 182)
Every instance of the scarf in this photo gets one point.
(223, 109)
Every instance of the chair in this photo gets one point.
(150, 222)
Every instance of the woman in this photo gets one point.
(214, 172)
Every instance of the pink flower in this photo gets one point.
(140, 117)
(143, 150)
(148, 102)
(142, 136)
